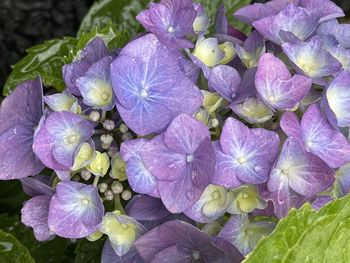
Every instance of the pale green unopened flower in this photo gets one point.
(99, 164)
(118, 170)
(83, 157)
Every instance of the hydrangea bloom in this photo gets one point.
(183, 161)
(147, 80)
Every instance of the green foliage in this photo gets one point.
(45, 60)
(308, 236)
(12, 251)
(89, 252)
(211, 6)
(120, 13)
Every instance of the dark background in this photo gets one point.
(24, 23)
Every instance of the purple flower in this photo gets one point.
(275, 85)
(64, 101)
(250, 13)
(95, 50)
(322, 9)
(298, 170)
(340, 53)
(59, 138)
(311, 58)
(316, 135)
(182, 242)
(150, 87)
(20, 114)
(183, 161)
(225, 80)
(243, 154)
(243, 234)
(292, 22)
(76, 210)
(139, 177)
(95, 85)
(340, 31)
(171, 21)
(35, 211)
(338, 99)
(109, 255)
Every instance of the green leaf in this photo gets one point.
(43, 252)
(12, 251)
(89, 252)
(45, 60)
(121, 13)
(308, 236)
(211, 6)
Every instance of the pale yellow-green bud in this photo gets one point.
(99, 164)
(230, 52)
(203, 116)
(95, 236)
(212, 101)
(208, 51)
(83, 156)
(118, 170)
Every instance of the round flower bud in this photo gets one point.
(83, 156)
(105, 146)
(109, 125)
(95, 236)
(106, 138)
(126, 195)
(109, 195)
(85, 174)
(102, 187)
(112, 151)
(94, 115)
(117, 187)
(230, 52)
(207, 50)
(123, 128)
(118, 168)
(99, 164)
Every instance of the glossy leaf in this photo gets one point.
(12, 251)
(89, 252)
(307, 236)
(46, 60)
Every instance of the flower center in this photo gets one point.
(171, 29)
(195, 255)
(241, 160)
(85, 201)
(143, 93)
(104, 96)
(245, 195)
(70, 139)
(215, 195)
(189, 158)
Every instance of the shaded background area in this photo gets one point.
(25, 23)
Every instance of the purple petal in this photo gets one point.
(322, 9)
(95, 85)
(190, 69)
(275, 85)
(250, 13)
(172, 255)
(76, 210)
(311, 58)
(340, 31)
(95, 50)
(35, 215)
(338, 98)
(323, 140)
(321, 201)
(109, 256)
(20, 114)
(224, 80)
(185, 134)
(306, 174)
(64, 101)
(290, 125)
(146, 208)
(38, 185)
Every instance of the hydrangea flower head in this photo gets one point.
(183, 161)
(20, 114)
(150, 87)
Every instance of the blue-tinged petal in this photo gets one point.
(35, 215)
(338, 97)
(20, 114)
(296, 20)
(321, 201)
(190, 69)
(95, 85)
(252, 110)
(342, 181)
(275, 85)
(243, 234)
(322, 9)
(71, 72)
(322, 139)
(64, 101)
(122, 231)
(202, 21)
(147, 80)
(311, 58)
(37, 185)
(139, 177)
(304, 172)
(246, 88)
(225, 81)
(340, 31)
(251, 13)
(332, 46)
(76, 210)
(252, 49)
(109, 256)
(95, 50)
(290, 125)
